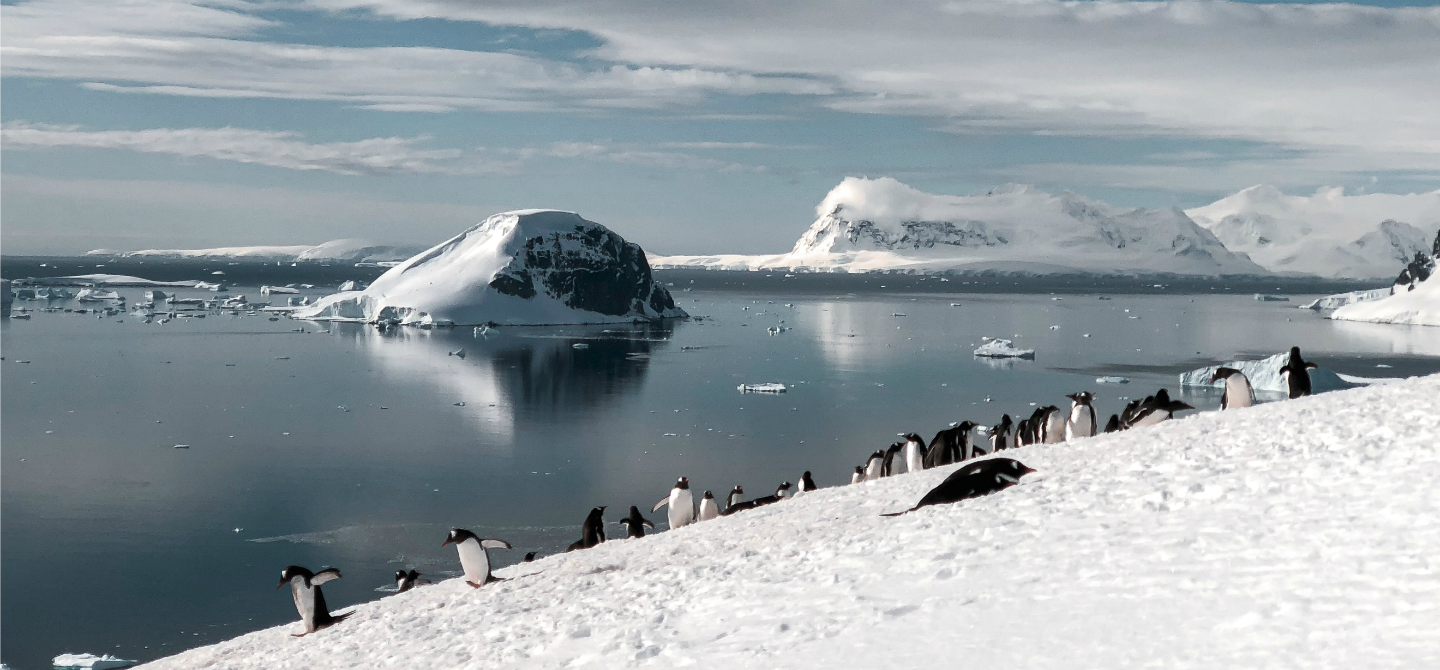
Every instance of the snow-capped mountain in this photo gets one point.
(1328, 234)
(881, 224)
(336, 251)
(528, 267)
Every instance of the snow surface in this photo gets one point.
(1418, 307)
(1292, 534)
(1264, 376)
(1327, 234)
(1342, 299)
(998, 348)
(481, 276)
(882, 224)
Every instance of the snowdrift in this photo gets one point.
(1291, 534)
(1418, 307)
(527, 267)
(882, 224)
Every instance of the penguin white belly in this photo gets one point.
(1151, 419)
(1238, 392)
(872, 471)
(304, 602)
(1081, 423)
(475, 561)
(856, 478)
(708, 509)
(1055, 428)
(913, 461)
(682, 508)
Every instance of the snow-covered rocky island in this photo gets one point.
(526, 267)
(1417, 306)
(1291, 534)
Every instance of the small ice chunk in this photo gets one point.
(1266, 297)
(267, 290)
(1001, 348)
(767, 387)
(580, 345)
(1112, 380)
(458, 353)
(182, 446)
(90, 661)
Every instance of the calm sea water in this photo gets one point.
(336, 445)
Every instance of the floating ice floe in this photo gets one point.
(768, 387)
(580, 345)
(1266, 297)
(90, 661)
(267, 290)
(1112, 380)
(998, 348)
(352, 285)
(96, 295)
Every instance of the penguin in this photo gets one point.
(1113, 425)
(1082, 416)
(806, 483)
(1031, 433)
(914, 453)
(1157, 408)
(972, 481)
(859, 475)
(635, 524)
(759, 502)
(681, 502)
(873, 466)
(708, 507)
(309, 599)
(404, 581)
(592, 532)
(1054, 428)
(735, 493)
(1297, 374)
(783, 491)
(887, 467)
(1238, 392)
(1000, 434)
(474, 557)
(950, 445)
(530, 556)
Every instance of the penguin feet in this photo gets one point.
(472, 584)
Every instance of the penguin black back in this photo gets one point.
(635, 523)
(887, 467)
(806, 483)
(972, 481)
(1113, 424)
(1297, 374)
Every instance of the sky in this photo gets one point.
(689, 127)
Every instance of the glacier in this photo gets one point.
(525, 267)
(883, 224)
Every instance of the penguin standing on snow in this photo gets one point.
(1053, 431)
(309, 600)
(681, 502)
(1157, 408)
(474, 555)
(1297, 374)
(708, 507)
(1082, 416)
(806, 483)
(1238, 392)
(734, 498)
(1113, 425)
(635, 524)
(592, 532)
(973, 481)
(874, 465)
(1000, 437)
(887, 467)
(859, 475)
(951, 445)
(914, 453)
(404, 581)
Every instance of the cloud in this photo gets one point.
(376, 156)
(638, 154)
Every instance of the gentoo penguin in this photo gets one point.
(780, 492)
(1127, 415)
(887, 467)
(1113, 425)
(1238, 392)
(1054, 429)
(530, 556)
(474, 557)
(309, 600)
(1082, 416)
(972, 481)
(914, 453)
(1157, 408)
(873, 466)
(404, 581)
(708, 507)
(950, 445)
(1000, 434)
(593, 530)
(635, 524)
(1297, 374)
(735, 493)
(681, 502)
(859, 475)
(806, 483)
(1033, 425)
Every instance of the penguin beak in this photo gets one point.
(446, 543)
(282, 583)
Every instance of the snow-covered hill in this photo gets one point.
(882, 224)
(1328, 234)
(1417, 307)
(533, 267)
(1295, 534)
(339, 251)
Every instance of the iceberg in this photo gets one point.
(1264, 376)
(1418, 306)
(767, 387)
(91, 661)
(1112, 380)
(267, 290)
(526, 267)
(96, 295)
(1342, 299)
(1266, 297)
(352, 285)
(208, 286)
(998, 348)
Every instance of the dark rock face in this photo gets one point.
(589, 268)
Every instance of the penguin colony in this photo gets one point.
(1046, 425)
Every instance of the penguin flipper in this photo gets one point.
(495, 544)
(1310, 366)
(647, 522)
(326, 575)
(663, 502)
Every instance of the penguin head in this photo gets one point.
(805, 477)
(708, 496)
(1081, 398)
(529, 557)
(291, 572)
(1162, 397)
(740, 490)
(1222, 373)
(784, 486)
(458, 535)
(400, 575)
(683, 483)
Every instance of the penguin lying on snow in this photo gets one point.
(592, 532)
(780, 492)
(681, 502)
(1297, 374)
(474, 557)
(972, 481)
(1238, 392)
(309, 599)
(404, 581)
(635, 524)
(1157, 408)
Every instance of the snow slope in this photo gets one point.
(342, 251)
(1328, 234)
(533, 267)
(1294, 534)
(882, 224)
(1419, 307)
